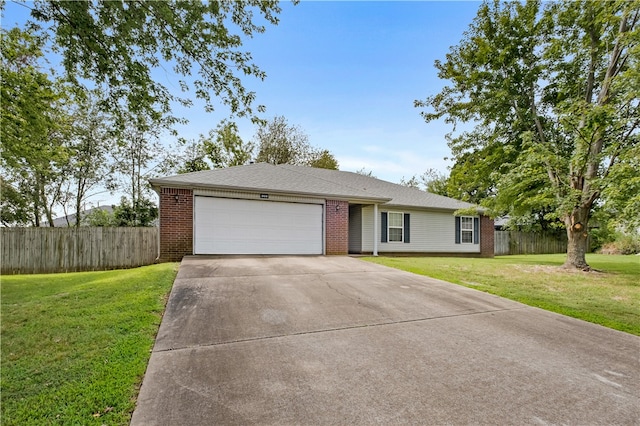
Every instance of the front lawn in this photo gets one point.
(610, 297)
(75, 346)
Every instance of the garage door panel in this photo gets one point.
(230, 226)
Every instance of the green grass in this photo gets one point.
(610, 297)
(75, 346)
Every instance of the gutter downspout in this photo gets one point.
(375, 229)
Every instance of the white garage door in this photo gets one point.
(230, 226)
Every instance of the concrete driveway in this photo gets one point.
(336, 340)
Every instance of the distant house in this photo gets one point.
(284, 209)
(70, 220)
(500, 222)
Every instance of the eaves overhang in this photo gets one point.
(480, 210)
(156, 184)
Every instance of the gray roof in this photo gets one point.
(70, 220)
(301, 180)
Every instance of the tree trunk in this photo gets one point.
(78, 209)
(577, 238)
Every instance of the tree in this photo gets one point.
(221, 147)
(14, 208)
(118, 44)
(88, 144)
(435, 182)
(323, 159)
(552, 94)
(622, 193)
(33, 127)
(192, 159)
(135, 158)
(99, 217)
(142, 212)
(412, 182)
(281, 143)
(225, 147)
(365, 172)
(431, 181)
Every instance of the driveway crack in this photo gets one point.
(336, 329)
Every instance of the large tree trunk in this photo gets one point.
(577, 238)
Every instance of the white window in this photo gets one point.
(466, 230)
(395, 227)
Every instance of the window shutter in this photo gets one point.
(457, 229)
(383, 229)
(406, 228)
(476, 230)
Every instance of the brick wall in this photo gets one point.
(337, 232)
(486, 236)
(176, 224)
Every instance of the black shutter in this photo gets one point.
(406, 228)
(476, 230)
(383, 227)
(457, 229)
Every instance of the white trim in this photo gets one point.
(395, 227)
(375, 230)
(472, 230)
(324, 228)
(257, 196)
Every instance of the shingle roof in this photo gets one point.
(286, 178)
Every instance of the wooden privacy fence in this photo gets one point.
(517, 242)
(46, 250)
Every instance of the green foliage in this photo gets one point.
(141, 212)
(622, 243)
(622, 191)
(75, 346)
(228, 149)
(551, 90)
(117, 45)
(281, 143)
(14, 210)
(33, 126)
(57, 136)
(323, 160)
(222, 147)
(99, 217)
(431, 181)
(609, 297)
(135, 157)
(193, 159)
(435, 182)
(89, 143)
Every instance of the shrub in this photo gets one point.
(623, 244)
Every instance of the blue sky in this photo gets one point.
(347, 73)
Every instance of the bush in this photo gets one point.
(623, 244)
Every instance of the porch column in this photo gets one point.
(375, 229)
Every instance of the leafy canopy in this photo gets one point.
(551, 92)
(279, 142)
(118, 45)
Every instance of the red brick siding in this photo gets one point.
(337, 222)
(486, 236)
(176, 224)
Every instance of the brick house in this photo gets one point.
(284, 209)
